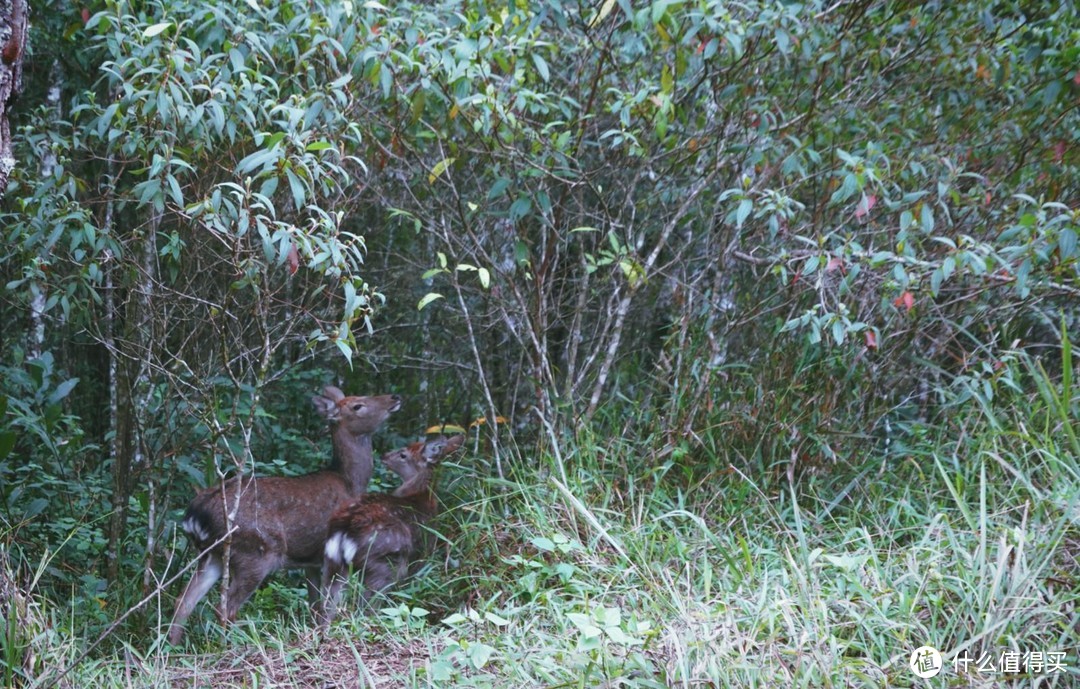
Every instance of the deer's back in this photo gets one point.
(283, 514)
(376, 526)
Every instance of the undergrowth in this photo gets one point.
(614, 562)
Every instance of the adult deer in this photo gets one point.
(379, 534)
(280, 521)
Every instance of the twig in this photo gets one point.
(53, 681)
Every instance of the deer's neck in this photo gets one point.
(418, 491)
(353, 458)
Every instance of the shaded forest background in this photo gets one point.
(689, 240)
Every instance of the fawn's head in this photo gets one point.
(357, 415)
(413, 459)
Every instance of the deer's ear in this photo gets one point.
(326, 407)
(333, 393)
(433, 449)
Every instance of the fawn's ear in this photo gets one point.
(436, 449)
(333, 393)
(453, 443)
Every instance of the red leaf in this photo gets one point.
(834, 263)
(1059, 151)
(871, 339)
(85, 16)
(865, 206)
(907, 300)
(1076, 78)
(293, 259)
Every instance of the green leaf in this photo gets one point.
(498, 188)
(947, 267)
(906, 218)
(262, 158)
(926, 218)
(299, 193)
(617, 635)
(441, 671)
(427, 299)
(318, 146)
(545, 544)
(743, 212)
(63, 390)
(416, 108)
(7, 443)
(174, 190)
(584, 624)
(783, 41)
(520, 208)
(345, 349)
(154, 30)
(1067, 243)
(485, 277)
(496, 620)
(35, 508)
(479, 654)
(521, 252)
(541, 66)
(609, 617)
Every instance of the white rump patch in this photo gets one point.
(332, 550)
(195, 529)
(340, 548)
(348, 547)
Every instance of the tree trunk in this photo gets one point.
(133, 396)
(13, 24)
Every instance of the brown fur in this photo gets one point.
(380, 534)
(280, 521)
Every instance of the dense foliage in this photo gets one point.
(636, 246)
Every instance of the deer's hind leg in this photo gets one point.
(248, 567)
(206, 575)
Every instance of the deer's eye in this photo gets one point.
(357, 406)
